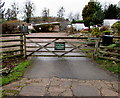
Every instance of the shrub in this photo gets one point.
(10, 26)
(107, 32)
(116, 28)
(95, 32)
(84, 31)
(104, 28)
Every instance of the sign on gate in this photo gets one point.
(59, 45)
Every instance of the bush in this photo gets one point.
(77, 21)
(8, 28)
(11, 26)
(95, 32)
(104, 28)
(116, 28)
(84, 31)
(107, 32)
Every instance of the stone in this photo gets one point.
(54, 94)
(56, 89)
(68, 92)
(85, 91)
(108, 92)
(79, 83)
(66, 84)
(115, 85)
(100, 84)
(55, 82)
(33, 90)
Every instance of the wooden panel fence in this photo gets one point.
(11, 46)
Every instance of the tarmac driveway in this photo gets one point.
(67, 67)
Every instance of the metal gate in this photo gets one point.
(55, 46)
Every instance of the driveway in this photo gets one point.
(72, 67)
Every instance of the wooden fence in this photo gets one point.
(106, 52)
(14, 45)
(11, 46)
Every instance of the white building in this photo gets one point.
(119, 4)
(110, 22)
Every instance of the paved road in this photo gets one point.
(76, 68)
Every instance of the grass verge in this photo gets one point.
(15, 74)
(112, 66)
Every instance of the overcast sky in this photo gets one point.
(74, 6)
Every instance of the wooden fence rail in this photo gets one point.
(12, 46)
(18, 46)
(107, 53)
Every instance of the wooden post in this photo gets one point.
(24, 45)
(21, 43)
(96, 48)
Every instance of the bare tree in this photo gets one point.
(8, 14)
(1, 8)
(45, 14)
(77, 16)
(11, 14)
(70, 16)
(14, 11)
(28, 10)
(61, 12)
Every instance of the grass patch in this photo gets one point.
(88, 51)
(9, 92)
(15, 74)
(112, 66)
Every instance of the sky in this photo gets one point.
(74, 6)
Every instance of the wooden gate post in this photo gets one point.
(21, 44)
(24, 45)
(96, 48)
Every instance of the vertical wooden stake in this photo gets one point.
(24, 45)
(96, 48)
(21, 43)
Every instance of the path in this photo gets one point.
(61, 87)
(74, 68)
(64, 77)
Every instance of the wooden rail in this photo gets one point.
(104, 53)
(15, 49)
(57, 37)
(38, 43)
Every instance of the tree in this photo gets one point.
(8, 14)
(98, 16)
(118, 16)
(1, 9)
(14, 11)
(45, 14)
(116, 27)
(113, 12)
(77, 16)
(28, 10)
(92, 14)
(11, 14)
(61, 13)
(70, 16)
